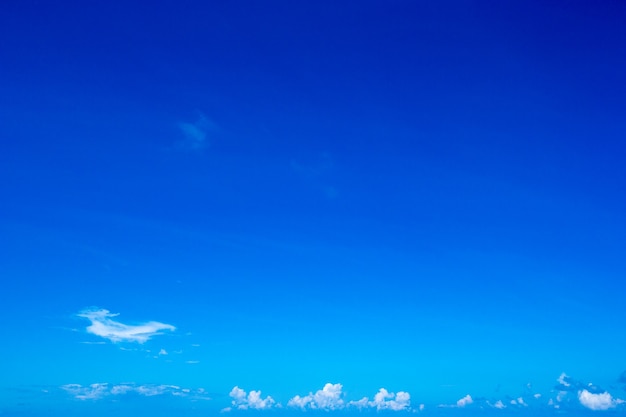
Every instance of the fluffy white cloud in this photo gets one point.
(104, 326)
(101, 390)
(602, 401)
(464, 401)
(253, 400)
(499, 404)
(328, 398)
(385, 400)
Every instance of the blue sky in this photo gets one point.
(418, 203)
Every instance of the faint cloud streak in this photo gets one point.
(196, 134)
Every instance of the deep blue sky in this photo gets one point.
(424, 196)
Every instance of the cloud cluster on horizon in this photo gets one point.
(385, 400)
(100, 390)
(103, 325)
(329, 398)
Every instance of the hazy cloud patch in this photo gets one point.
(101, 390)
(195, 135)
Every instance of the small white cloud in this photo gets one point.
(563, 380)
(104, 326)
(519, 401)
(328, 398)
(464, 401)
(499, 404)
(162, 352)
(537, 396)
(385, 400)
(253, 400)
(603, 401)
(192, 362)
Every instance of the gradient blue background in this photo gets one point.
(419, 195)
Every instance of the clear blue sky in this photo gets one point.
(422, 196)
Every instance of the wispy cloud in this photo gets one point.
(103, 325)
(196, 134)
(249, 401)
(101, 390)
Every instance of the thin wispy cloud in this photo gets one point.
(103, 325)
(195, 135)
(101, 390)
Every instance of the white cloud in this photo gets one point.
(162, 352)
(253, 400)
(602, 401)
(499, 404)
(464, 401)
(519, 401)
(91, 392)
(104, 326)
(385, 400)
(537, 396)
(563, 379)
(328, 398)
(101, 390)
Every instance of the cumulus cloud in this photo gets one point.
(464, 401)
(499, 404)
(603, 401)
(330, 397)
(195, 135)
(101, 390)
(103, 325)
(385, 400)
(253, 400)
